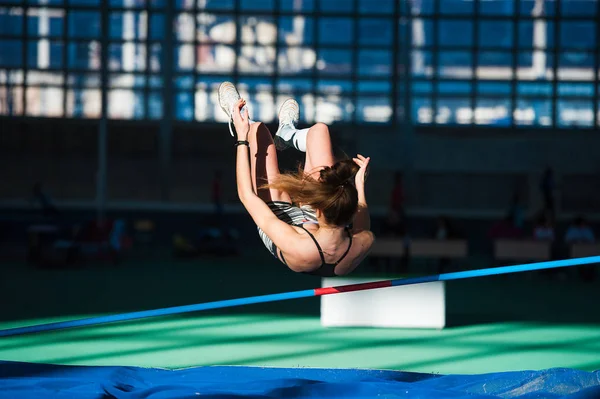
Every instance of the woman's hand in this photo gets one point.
(361, 175)
(240, 120)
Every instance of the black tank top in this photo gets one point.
(326, 269)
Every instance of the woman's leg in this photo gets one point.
(264, 166)
(319, 152)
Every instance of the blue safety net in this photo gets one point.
(26, 380)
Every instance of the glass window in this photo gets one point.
(296, 60)
(44, 54)
(375, 7)
(496, 34)
(532, 111)
(267, 5)
(11, 21)
(333, 61)
(536, 34)
(374, 63)
(575, 113)
(375, 31)
(422, 110)
(297, 30)
(422, 7)
(576, 66)
(455, 33)
(258, 30)
(45, 22)
(494, 88)
(212, 4)
(183, 106)
(421, 63)
(573, 89)
(83, 80)
(456, 7)
(493, 112)
(126, 80)
(84, 24)
(84, 55)
(336, 6)
(536, 65)
(578, 7)
(454, 87)
(214, 58)
(88, 3)
(290, 86)
(212, 28)
(374, 109)
(157, 26)
(496, 7)
(422, 33)
(336, 30)
(11, 100)
(155, 105)
(257, 59)
(125, 104)
(127, 57)
(127, 3)
(11, 53)
(455, 64)
(298, 6)
(44, 101)
(453, 110)
(422, 87)
(332, 108)
(537, 8)
(185, 27)
(374, 86)
(578, 35)
(128, 25)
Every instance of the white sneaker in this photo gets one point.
(289, 115)
(228, 97)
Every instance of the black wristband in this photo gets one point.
(242, 142)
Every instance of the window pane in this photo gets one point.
(155, 57)
(257, 59)
(335, 31)
(375, 7)
(455, 33)
(493, 88)
(421, 63)
(422, 87)
(422, 7)
(533, 112)
(259, 96)
(449, 88)
(84, 2)
(375, 31)
(497, 7)
(336, 6)
(45, 22)
(373, 87)
(537, 8)
(578, 34)
(257, 4)
(494, 65)
(11, 77)
(10, 53)
(422, 33)
(330, 86)
(185, 27)
(127, 57)
(535, 89)
(453, 110)
(130, 25)
(126, 80)
(295, 31)
(157, 26)
(213, 4)
(11, 100)
(183, 103)
(332, 108)
(84, 55)
(295, 5)
(214, 28)
(84, 24)
(374, 109)
(125, 104)
(576, 66)
(296, 60)
(455, 64)
(578, 7)
(11, 21)
(374, 63)
(127, 3)
(455, 7)
(291, 86)
(39, 78)
(156, 82)
(422, 110)
(538, 34)
(155, 105)
(494, 112)
(496, 34)
(184, 57)
(575, 113)
(44, 54)
(258, 30)
(87, 80)
(215, 58)
(44, 101)
(575, 89)
(535, 65)
(333, 61)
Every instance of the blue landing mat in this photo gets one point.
(27, 380)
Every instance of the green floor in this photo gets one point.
(497, 324)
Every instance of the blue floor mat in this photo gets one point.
(27, 380)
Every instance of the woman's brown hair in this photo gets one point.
(333, 193)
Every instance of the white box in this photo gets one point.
(410, 306)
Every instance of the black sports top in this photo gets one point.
(326, 269)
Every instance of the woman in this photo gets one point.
(302, 218)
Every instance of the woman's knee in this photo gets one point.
(320, 127)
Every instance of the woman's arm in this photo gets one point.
(362, 219)
(282, 234)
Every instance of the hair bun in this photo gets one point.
(340, 174)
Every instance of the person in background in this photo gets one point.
(579, 232)
(544, 228)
